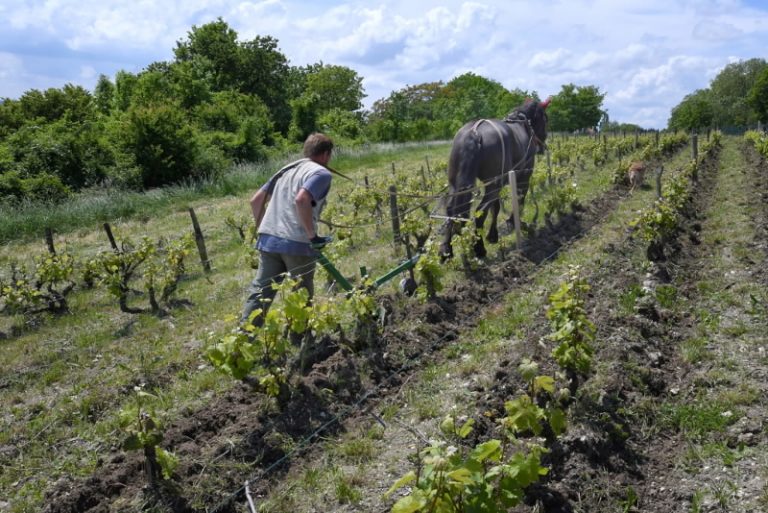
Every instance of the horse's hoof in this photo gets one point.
(446, 252)
(480, 251)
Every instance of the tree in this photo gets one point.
(337, 87)
(471, 96)
(104, 94)
(575, 107)
(758, 96)
(730, 90)
(125, 83)
(696, 111)
(265, 73)
(214, 50)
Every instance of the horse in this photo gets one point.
(486, 150)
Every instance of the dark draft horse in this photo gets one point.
(486, 150)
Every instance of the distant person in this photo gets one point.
(286, 210)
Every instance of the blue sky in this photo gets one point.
(646, 55)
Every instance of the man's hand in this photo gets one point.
(318, 242)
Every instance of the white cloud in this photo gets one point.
(549, 61)
(10, 67)
(712, 30)
(88, 73)
(645, 54)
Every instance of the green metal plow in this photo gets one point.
(408, 285)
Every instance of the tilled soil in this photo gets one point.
(250, 432)
(619, 454)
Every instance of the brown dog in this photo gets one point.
(636, 174)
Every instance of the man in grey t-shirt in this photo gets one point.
(286, 210)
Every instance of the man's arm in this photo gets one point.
(258, 205)
(304, 201)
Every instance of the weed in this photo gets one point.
(696, 501)
(628, 299)
(666, 295)
(697, 419)
(346, 489)
(356, 450)
(694, 350)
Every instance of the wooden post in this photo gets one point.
(657, 138)
(637, 139)
(200, 241)
(695, 147)
(709, 131)
(423, 179)
(394, 172)
(659, 172)
(695, 156)
(49, 241)
(515, 209)
(378, 206)
(111, 237)
(394, 213)
(549, 168)
(429, 170)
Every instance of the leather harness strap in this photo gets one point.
(501, 138)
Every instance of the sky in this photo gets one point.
(645, 55)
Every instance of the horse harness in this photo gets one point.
(521, 118)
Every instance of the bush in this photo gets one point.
(165, 146)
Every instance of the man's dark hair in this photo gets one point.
(317, 144)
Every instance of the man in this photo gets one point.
(286, 210)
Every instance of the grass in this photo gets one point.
(69, 375)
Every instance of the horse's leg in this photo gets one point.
(458, 208)
(494, 204)
(490, 202)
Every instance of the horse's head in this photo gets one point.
(536, 114)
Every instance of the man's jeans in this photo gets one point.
(272, 269)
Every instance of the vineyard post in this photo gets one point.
(657, 138)
(659, 172)
(429, 170)
(111, 237)
(423, 179)
(200, 241)
(709, 130)
(637, 139)
(394, 214)
(515, 208)
(394, 172)
(549, 168)
(49, 241)
(695, 156)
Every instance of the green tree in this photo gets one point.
(337, 87)
(575, 107)
(125, 83)
(758, 96)
(730, 91)
(471, 96)
(215, 53)
(265, 73)
(696, 111)
(163, 144)
(104, 94)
